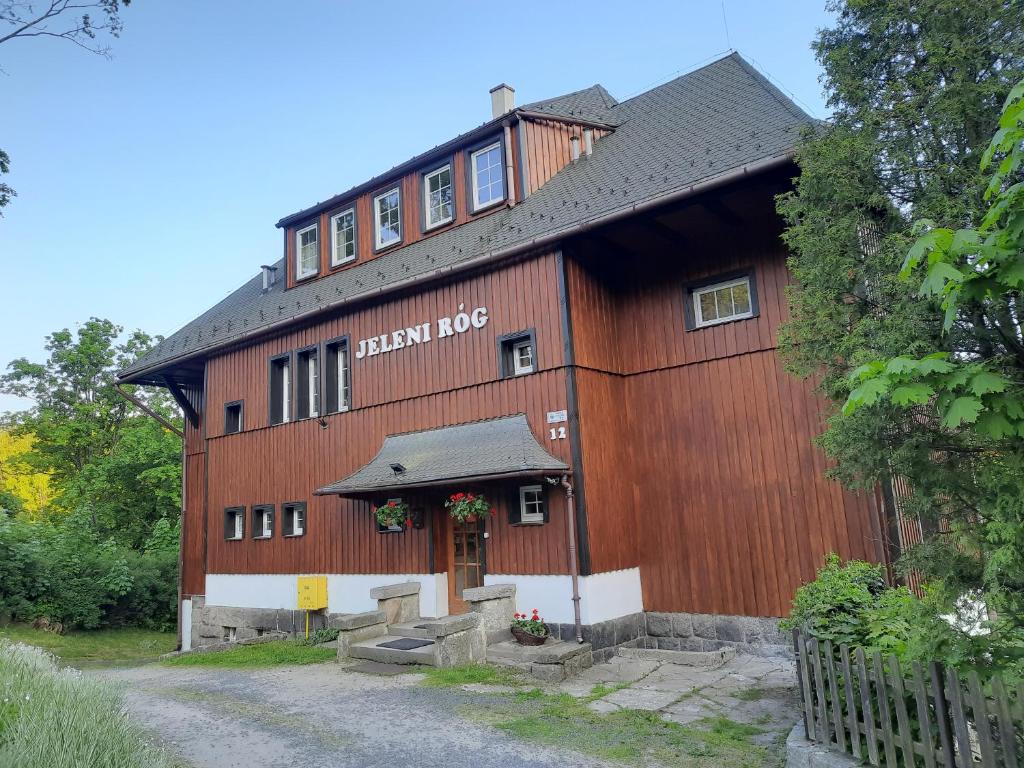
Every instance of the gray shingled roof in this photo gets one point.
(503, 447)
(594, 104)
(691, 130)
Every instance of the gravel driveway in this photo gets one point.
(319, 715)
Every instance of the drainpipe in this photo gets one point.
(574, 568)
(509, 175)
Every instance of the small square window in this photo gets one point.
(721, 302)
(531, 504)
(234, 523)
(438, 202)
(487, 176)
(307, 252)
(517, 354)
(343, 234)
(387, 211)
(263, 521)
(293, 518)
(233, 418)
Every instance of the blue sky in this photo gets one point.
(149, 183)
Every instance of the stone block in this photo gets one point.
(395, 590)
(358, 620)
(400, 608)
(667, 643)
(659, 624)
(548, 673)
(682, 625)
(704, 625)
(346, 638)
(466, 647)
(489, 592)
(730, 628)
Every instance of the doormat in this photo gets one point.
(405, 643)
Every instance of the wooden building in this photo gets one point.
(580, 294)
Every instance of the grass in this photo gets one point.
(99, 646)
(54, 718)
(270, 654)
(468, 674)
(629, 736)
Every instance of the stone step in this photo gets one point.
(686, 658)
(418, 628)
(372, 650)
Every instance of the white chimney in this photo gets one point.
(574, 143)
(503, 100)
(269, 276)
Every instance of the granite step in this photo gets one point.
(710, 659)
(372, 650)
(418, 628)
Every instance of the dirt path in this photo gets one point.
(319, 715)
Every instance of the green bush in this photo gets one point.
(65, 572)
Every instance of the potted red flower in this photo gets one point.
(467, 507)
(529, 630)
(393, 513)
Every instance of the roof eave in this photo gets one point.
(361, 491)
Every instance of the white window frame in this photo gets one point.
(377, 229)
(292, 512)
(337, 261)
(477, 205)
(428, 223)
(311, 359)
(286, 391)
(344, 393)
(517, 368)
(239, 525)
(266, 517)
(299, 274)
(531, 517)
(698, 319)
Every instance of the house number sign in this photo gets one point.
(423, 333)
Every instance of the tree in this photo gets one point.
(917, 89)
(85, 23)
(102, 456)
(23, 488)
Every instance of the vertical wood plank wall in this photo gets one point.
(697, 445)
(193, 551)
(549, 149)
(446, 381)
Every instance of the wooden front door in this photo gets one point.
(465, 561)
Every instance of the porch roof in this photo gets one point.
(480, 450)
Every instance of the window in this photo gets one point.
(337, 383)
(517, 354)
(388, 215)
(390, 528)
(263, 521)
(488, 176)
(438, 203)
(522, 357)
(343, 233)
(529, 506)
(307, 252)
(234, 523)
(710, 303)
(280, 389)
(233, 417)
(307, 383)
(294, 518)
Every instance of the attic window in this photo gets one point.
(438, 204)
(343, 230)
(388, 216)
(488, 176)
(307, 252)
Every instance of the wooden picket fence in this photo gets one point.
(866, 706)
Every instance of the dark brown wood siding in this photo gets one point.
(446, 381)
(549, 149)
(697, 447)
(193, 550)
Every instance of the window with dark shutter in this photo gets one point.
(233, 417)
(517, 354)
(293, 522)
(337, 392)
(307, 383)
(280, 389)
(234, 523)
(263, 521)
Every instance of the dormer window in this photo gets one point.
(488, 176)
(307, 252)
(388, 218)
(438, 203)
(343, 231)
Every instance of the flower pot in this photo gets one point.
(470, 519)
(525, 638)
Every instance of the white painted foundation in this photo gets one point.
(186, 625)
(346, 593)
(603, 596)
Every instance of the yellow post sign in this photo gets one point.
(312, 593)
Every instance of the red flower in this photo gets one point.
(408, 522)
(535, 611)
(470, 497)
(391, 503)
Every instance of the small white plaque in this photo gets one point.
(557, 417)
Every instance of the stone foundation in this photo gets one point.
(212, 624)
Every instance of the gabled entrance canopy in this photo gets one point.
(481, 450)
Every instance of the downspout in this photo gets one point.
(574, 568)
(509, 174)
